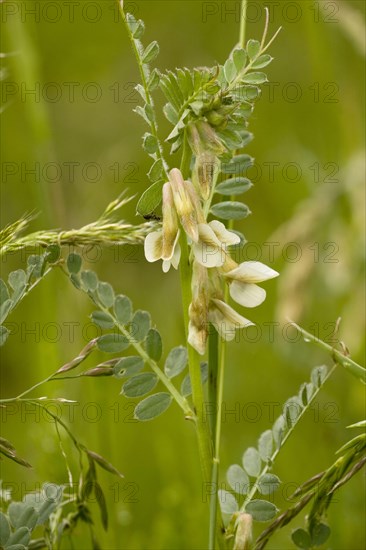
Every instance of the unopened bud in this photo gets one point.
(200, 217)
(99, 371)
(244, 537)
(194, 139)
(183, 204)
(204, 171)
(209, 138)
(80, 358)
(182, 201)
(215, 119)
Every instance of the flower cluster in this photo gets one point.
(211, 262)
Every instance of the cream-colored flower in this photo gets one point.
(175, 259)
(164, 244)
(153, 248)
(170, 223)
(243, 279)
(211, 248)
(225, 319)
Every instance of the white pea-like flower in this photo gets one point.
(164, 244)
(243, 279)
(225, 319)
(213, 240)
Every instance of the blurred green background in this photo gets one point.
(79, 136)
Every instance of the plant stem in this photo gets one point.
(216, 373)
(213, 366)
(202, 427)
(243, 21)
(354, 368)
(214, 526)
(213, 505)
(35, 386)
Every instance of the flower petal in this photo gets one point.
(226, 320)
(247, 294)
(153, 246)
(209, 250)
(208, 255)
(175, 259)
(252, 272)
(170, 223)
(225, 236)
(197, 338)
(169, 244)
(166, 265)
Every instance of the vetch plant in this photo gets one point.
(209, 110)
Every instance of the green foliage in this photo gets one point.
(21, 282)
(221, 96)
(21, 518)
(258, 461)
(140, 384)
(261, 510)
(176, 361)
(230, 210)
(8, 450)
(234, 186)
(152, 406)
(209, 110)
(150, 80)
(130, 329)
(320, 489)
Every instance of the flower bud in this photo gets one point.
(99, 371)
(244, 537)
(215, 118)
(209, 139)
(194, 139)
(183, 203)
(203, 173)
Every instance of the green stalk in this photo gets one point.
(217, 369)
(202, 427)
(204, 445)
(351, 366)
(213, 363)
(243, 21)
(215, 527)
